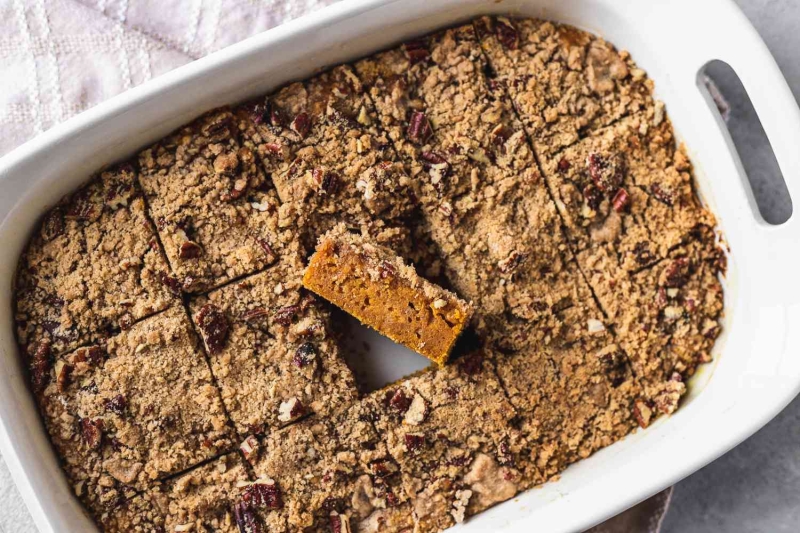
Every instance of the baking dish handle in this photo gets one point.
(749, 57)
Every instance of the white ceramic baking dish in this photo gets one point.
(757, 368)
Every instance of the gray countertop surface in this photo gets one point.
(755, 487)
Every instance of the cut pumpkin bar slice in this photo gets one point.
(377, 287)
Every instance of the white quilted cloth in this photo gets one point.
(60, 57)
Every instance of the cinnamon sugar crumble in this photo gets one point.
(189, 382)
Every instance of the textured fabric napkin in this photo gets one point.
(60, 57)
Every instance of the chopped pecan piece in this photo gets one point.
(252, 315)
(506, 33)
(304, 355)
(53, 224)
(263, 493)
(82, 208)
(419, 128)
(606, 173)
(214, 326)
(386, 270)
(171, 283)
(259, 111)
(63, 375)
(339, 523)
(301, 125)
(676, 274)
(436, 165)
(621, 200)
(266, 247)
(593, 196)
(327, 181)
(668, 399)
(290, 409)
(119, 194)
(416, 51)
(414, 441)
(661, 194)
(510, 263)
(285, 315)
(92, 432)
(249, 447)
(399, 401)
(190, 250)
(246, 518)
(383, 467)
(642, 412)
(40, 366)
(117, 404)
(417, 411)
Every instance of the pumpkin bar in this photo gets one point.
(628, 189)
(283, 125)
(673, 319)
(374, 285)
(325, 475)
(203, 499)
(271, 349)
(92, 268)
(572, 398)
(340, 168)
(217, 215)
(138, 409)
(564, 82)
(451, 430)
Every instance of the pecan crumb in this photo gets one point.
(92, 432)
(290, 409)
(246, 518)
(301, 125)
(263, 493)
(621, 200)
(419, 128)
(416, 51)
(506, 33)
(190, 250)
(117, 404)
(304, 355)
(214, 326)
(642, 412)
